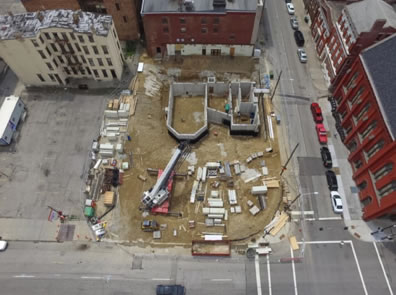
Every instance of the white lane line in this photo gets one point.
(269, 276)
(24, 276)
(357, 263)
(160, 279)
(258, 279)
(383, 268)
(325, 242)
(294, 272)
(221, 280)
(330, 218)
(92, 278)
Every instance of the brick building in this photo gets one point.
(207, 27)
(365, 96)
(54, 46)
(124, 12)
(342, 31)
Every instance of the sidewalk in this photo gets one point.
(13, 229)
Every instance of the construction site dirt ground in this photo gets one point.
(151, 147)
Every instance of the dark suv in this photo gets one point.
(326, 157)
(171, 290)
(331, 180)
(299, 38)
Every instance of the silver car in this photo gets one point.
(302, 55)
(294, 22)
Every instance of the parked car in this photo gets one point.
(288, 1)
(171, 290)
(3, 245)
(316, 112)
(326, 157)
(322, 133)
(290, 8)
(331, 180)
(299, 38)
(302, 56)
(294, 22)
(336, 202)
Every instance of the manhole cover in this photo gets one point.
(66, 232)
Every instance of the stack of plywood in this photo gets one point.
(272, 183)
(109, 198)
(280, 224)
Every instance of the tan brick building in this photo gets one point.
(124, 12)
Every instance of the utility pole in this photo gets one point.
(288, 160)
(276, 85)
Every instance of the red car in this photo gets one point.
(322, 133)
(316, 112)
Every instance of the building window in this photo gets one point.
(204, 30)
(384, 170)
(366, 201)
(164, 20)
(165, 29)
(72, 36)
(41, 54)
(109, 63)
(352, 146)
(91, 62)
(117, 5)
(74, 71)
(71, 50)
(81, 38)
(215, 29)
(49, 52)
(203, 20)
(64, 37)
(361, 186)
(91, 39)
(232, 37)
(35, 43)
(55, 63)
(82, 71)
(105, 50)
(54, 48)
(357, 95)
(95, 49)
(52, 77)
(55, 36)
(113, 74)
(61, 59)
(47, 36)
(367, 130)
(216, 20)
(40, 77)
(351, 83)
(387, 189)
(375, 148)
(104, 73)
(83, 59)
(363, 112)
(96, 73)
(182, 20)
(78, 47)
(125, 19)
(66, 70)
(358, 164)
(100, 62)
(183, 29)
(88, 71)
(85, 48)
(114, 34)
(50, 67)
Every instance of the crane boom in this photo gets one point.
(159, 192)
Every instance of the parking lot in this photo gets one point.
(45, 166)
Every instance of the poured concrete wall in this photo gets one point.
(189, 89)
(217, 117)
(196, 49)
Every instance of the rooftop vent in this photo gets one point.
(189, 5)
(219, 3)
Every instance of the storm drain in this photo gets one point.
(66, 232)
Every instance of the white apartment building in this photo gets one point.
(55, 46)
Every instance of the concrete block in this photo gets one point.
(254, 210)
(259, 190)
(238, 209)
(265, 171)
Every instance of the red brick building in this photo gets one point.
(212, 27)
(365, 96)
(124, 12)
(342, 31)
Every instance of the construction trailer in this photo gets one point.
(11, 112)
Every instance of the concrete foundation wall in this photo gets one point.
(246, 108)
(217, 117)
(188, 89)
(197, 49)
(219, 88)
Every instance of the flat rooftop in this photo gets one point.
(27, 25)
(155, 6)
